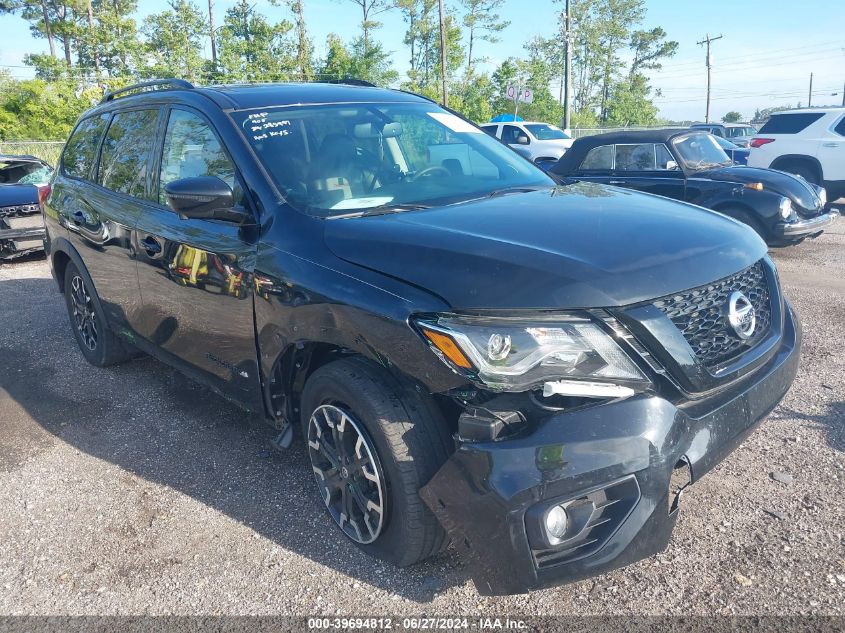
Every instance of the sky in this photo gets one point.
(767, 51)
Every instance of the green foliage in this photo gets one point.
(630, 104)
(174, 42)
(37, 109)
(732, 117)
(252, 49)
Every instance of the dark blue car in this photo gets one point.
(737, 154)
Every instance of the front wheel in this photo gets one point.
(373, 444)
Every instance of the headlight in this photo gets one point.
(507, 354)
(823, 197)
(785, 208)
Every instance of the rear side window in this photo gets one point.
(192, 149)
(81, 148)
(490, 129)
(840, 127)
(790, 123)
(127, 148)
(598, 158)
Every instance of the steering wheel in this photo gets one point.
(429, 171)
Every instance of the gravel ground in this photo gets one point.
(132, 490)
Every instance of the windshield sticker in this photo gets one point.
(361, 203)
(454, 123)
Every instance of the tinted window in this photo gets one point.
(790, 123)
(840, 127)
(599, 158)
(510, 133)
(192, 149)
(490, 129)
(81, 149)
(125, 157)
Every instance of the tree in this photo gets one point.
(304, 48)
(252, 49)
(423, 38)
(732, 117)
(174, 42)
(483, 25)
(630, 103)
(369, 10)
(338, 62)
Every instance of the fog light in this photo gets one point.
(556, 522)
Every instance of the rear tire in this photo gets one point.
(806, 172)
(398, 441)
(98, 344)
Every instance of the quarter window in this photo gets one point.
(191, 148)
(81, 149)
(790, 123)
(598, 158)
(840, 127)
(125, 156)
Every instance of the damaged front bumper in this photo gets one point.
(21, 235)
(618, 468)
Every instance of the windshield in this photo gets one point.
(725, 143)
(698, 151)
(734, 132)
(371, 158)
(24, 172)
(544, 132)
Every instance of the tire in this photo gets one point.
(806, 172)
(98, 344)
(406, 437)
(746, 218)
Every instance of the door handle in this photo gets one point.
(830, 144)
(151, 246)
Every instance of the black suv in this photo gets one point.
(471, 352)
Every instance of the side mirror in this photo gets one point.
(671, 165)
(523, 139)
(203, 198)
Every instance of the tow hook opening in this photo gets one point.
(679, 480)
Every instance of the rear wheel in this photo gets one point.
(807, 172)
(373, 444)
(96, 341)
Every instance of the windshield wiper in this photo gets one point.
(382, 210)
(503, 192)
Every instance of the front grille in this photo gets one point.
(701, 315)
(18, 209)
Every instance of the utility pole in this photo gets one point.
(567, 118)
(707, 41)
(443, 55)
(213, 33)
(810, 98)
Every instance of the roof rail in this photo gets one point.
(165, 83)
(351, 81)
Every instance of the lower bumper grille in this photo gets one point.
(701, 314)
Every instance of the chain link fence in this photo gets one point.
(48, 151)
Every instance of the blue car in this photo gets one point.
(737, 154)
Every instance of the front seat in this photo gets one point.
(337, 170)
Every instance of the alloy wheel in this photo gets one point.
(83, 312)
(347, 472)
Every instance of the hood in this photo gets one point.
(581, 246)
(18, 194)
(797, 189)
